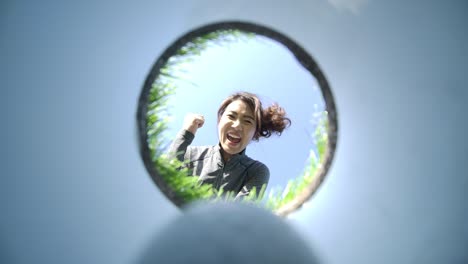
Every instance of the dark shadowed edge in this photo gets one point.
(303, 58)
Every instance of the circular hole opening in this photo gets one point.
(206, 65)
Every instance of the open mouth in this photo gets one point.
(233, 138)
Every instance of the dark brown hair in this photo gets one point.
(269, 120)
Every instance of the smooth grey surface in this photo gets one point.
(74, 189)
(228, 233)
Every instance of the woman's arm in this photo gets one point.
(180, 144)
(185, 137)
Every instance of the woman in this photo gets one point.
(241, 119)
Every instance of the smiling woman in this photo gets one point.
(225, 166)
(195, 74)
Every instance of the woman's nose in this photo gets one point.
(236, 124)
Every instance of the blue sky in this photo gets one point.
(262, 66)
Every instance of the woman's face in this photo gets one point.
(236, 127)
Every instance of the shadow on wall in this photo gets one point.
(228, 233)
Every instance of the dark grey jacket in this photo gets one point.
(240, 174)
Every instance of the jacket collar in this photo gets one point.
(234, 159)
